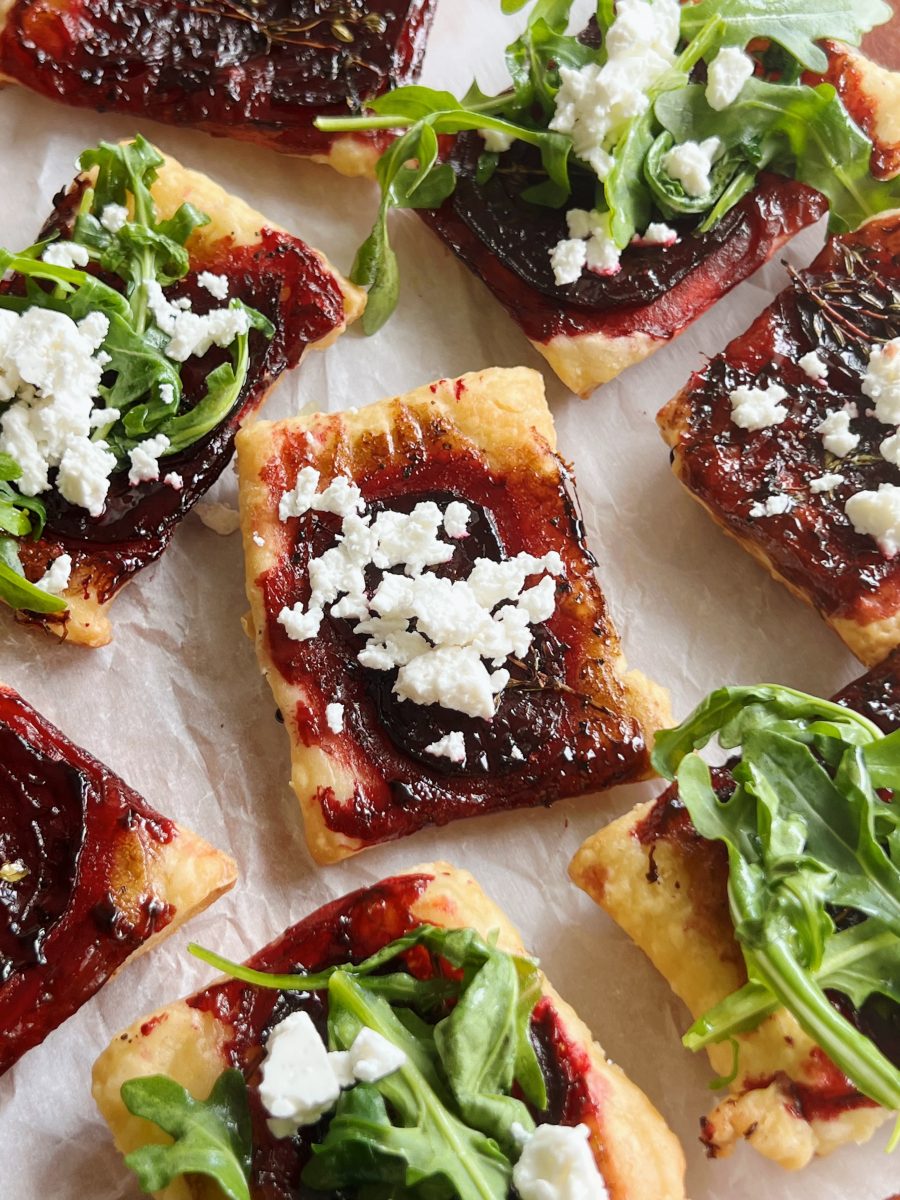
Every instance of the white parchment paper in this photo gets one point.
(177, 705)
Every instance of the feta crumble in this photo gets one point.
(452, 746)
(590, 244)
(56, 578)
(191, 335)
(758, 408)
(496, 141)
(114, 217)
(726, 76)
(216, 285)
(568, 259)
(878, 515)
(557, 1163)
(881, 381)
(658, 233)
(145, 459)
(334, 717)
(774, 506)
(825, 483)
(835, 431)
(812, 366)
(66, 254)
(174, 481)
(690, 164)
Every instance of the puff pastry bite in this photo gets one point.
(257, 72)
(788, 438)
(90, 876)
(241, 306)
(468, 662)
(667, 887)
(227, 1026)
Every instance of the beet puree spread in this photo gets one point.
(562, 726)
(349, 930)
(846, 301)
(85, 903)
(877, 696)
(261, 72)
(285, 280)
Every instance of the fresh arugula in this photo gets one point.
(211, 1137)
(787, 127)
(807, 837)
(20, 516)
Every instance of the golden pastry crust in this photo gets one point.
(585, 362)
(233, 223)
(504, 415)
(638, 1155)
(669, 896)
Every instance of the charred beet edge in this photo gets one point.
(257, 72)
(62, 932)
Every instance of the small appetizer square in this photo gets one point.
(448, 1060)
(90, 876)
(813, 1065)
(149, 321)
(427, 614)
(259, 72)
(789, 437)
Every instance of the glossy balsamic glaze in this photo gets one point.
(261, 72)
(285, 280)
(814, 545)
(877, 696)
(84, 904)
(349, 930)
(568, 743)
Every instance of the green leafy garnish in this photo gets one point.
(810, 843)
(777, 123)
(20, 516)
(210, 1137)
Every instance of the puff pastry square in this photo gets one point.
(572, 722)
(308, 302)
(590, 331)
(90, 876)
(195, 1039)
(841, 307)
(259, 72)
(666, 887)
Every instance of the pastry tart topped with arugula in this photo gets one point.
(148, 321)
(395, 1043)
(634, 173)
(427, 614)
(767, 892)
(90, 876)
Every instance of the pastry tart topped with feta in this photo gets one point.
(149, 320)
(426, 612)
(410, 1046)
(768, 895)
(90, 876)
(260, 72)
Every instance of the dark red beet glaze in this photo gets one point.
(85, 904)
(348, 930)
(286, 281)
(877, 696)
(259, 72)
(568, 743)
(813, 546)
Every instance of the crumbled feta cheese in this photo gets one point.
(890, 449)
(590, 245)
(878, 515)
(373, 1057)
(216, 285)
(192, 335)
(436, 632)
(452, 745)
(496, 141)
(812, 366)
(145, 459)
(258, 539)
(298, 1084)
(568, 259)
(690, 164)
(174, 481)
(114, 217)
(835, 431)
(101, 418)
(758, 408)
(881, 381)
(557, 1163)
(774, 506)
(334, 717)
(83, 474)
(56, 578)
(66, 254)
(726, 76)
(825, 483)
(657, 234)
(220, 518)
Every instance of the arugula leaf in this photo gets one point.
(16, 591)
(793, 24)
(212, 1137)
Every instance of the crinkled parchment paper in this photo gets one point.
(177, 705)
